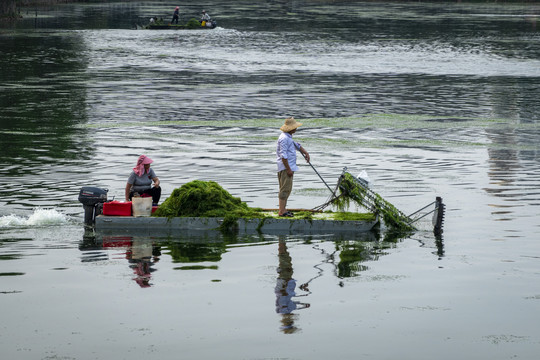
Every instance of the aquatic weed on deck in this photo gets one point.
(201, 199)
(206, 199)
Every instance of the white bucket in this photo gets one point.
(141, 206)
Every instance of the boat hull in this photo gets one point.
(267, 225)
(212, 25)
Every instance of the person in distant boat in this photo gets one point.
(152, 21)
(176, 15)
(205, 17)
(140, 181)
(286, 162)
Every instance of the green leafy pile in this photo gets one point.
(201, 199)
(193, 24)
(351, 190)
(206, 199)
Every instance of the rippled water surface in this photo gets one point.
(429, 99)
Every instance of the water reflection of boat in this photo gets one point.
(204, 251)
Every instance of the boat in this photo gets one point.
(94, 199)
(187, 200)
(191, 25)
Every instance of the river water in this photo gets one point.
(429, 99)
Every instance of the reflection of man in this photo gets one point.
(142, 256)
(285, 290)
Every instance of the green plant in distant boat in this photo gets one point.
(193, 24)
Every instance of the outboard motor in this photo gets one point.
(92, 198)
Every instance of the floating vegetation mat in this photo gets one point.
(351, 189)
(379, 121)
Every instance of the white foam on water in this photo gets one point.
(40, 217)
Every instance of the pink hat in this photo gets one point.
(143, 160)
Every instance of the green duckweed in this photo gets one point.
(352, 216)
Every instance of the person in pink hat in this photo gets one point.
(140, 181)
(286, 162)
(176, 15)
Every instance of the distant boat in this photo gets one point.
(192, 24)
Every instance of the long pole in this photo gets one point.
(316, 172)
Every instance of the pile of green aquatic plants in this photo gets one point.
(203, 199)
(352, 190)
(206, 199)
(193, 24)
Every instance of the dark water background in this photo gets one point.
(429, 98)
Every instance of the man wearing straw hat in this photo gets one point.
(286, 162)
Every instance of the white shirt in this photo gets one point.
(286, 149)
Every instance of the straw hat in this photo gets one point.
(290, 124)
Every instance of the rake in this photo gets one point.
(357, 189)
